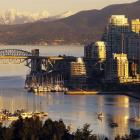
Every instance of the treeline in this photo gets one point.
(35, 129)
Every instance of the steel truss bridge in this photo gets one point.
(17, 56)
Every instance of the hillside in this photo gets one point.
(82, 27)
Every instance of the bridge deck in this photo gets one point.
(31, 57)
(13, 57)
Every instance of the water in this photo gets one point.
(74, 110)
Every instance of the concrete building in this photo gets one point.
(132, 43)
(78, 74)
(135, 26)
(96, 51)
(88, 50)
(117, 69)
(118, 20)
(132, 48)
(122, 65)
(118, 26)
(99, 51)
(78, 68)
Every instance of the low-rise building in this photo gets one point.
(78, 68)
(78, 74)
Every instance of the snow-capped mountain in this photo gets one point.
(13, 16)
(57, 17)
(66, 14)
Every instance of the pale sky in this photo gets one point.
(55, 7)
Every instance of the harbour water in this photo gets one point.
(74, 110)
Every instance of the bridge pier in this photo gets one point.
(36, 62)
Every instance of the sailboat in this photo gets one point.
(100, 115)
(12, 116)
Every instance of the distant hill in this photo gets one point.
(82, 27)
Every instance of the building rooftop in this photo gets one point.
(118, 20)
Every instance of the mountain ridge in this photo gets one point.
(82, 27)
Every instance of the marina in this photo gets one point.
(56, 88)
(6, 115)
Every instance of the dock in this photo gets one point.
(81, 92)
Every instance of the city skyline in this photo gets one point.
(56, 7)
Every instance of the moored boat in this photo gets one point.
(5, 115)
(41, 115)
(12, 118)
(100, 116)
(56, 88)
(113, 124)
(26, 115)
(39, 89)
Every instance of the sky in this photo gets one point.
(55, 7)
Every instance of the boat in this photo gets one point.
(6, 115)
(41, 115)
(113, 124)
(135, 133)
(26, 115)
(3, 117)
(39, 89)
(100, 116)
(81, 92)
(12, 118)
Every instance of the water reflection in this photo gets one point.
(121, 115)
(75, 110)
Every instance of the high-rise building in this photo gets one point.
(99, 50)
(132, 48)
(117, 69)
(118, 26)
(96, 51)
(88, 51)
(135, 26)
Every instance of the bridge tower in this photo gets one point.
(36, 64)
